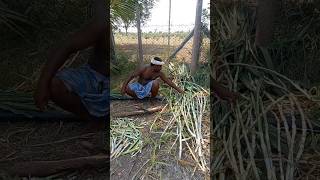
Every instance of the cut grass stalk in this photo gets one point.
(126, 137)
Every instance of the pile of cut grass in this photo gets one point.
(189, 117)
(22, 103)
(267, 134)
(126, 137)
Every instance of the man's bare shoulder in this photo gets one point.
(146, 66)
(143, 68)
(140, 70)
(162, 74)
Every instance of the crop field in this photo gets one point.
(156, 44)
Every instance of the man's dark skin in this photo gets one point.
(223, 92)
(93, 34)
(145, 75)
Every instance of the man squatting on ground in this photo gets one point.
(147, 84)
(83, 91)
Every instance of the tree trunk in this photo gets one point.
(112, 49)
(266, 16)
(206, 32)
(140, 53)
(126, 26)
(169, 27)
(196, 38)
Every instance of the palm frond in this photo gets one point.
(122, 11)
(10, 18)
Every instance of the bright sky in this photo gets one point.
(182, 16)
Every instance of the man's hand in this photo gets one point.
(41, 97)
(181, 91)
(225, 94)
(170, 83)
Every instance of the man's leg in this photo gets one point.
(130, 92)
(67, 100)
(155, 88)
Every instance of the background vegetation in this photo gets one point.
(273, 128)
(29, 28)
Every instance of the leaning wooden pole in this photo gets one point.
(196, 38)
(113, 49)
(184, 42)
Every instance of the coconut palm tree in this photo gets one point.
(122, 11)
(126, 12)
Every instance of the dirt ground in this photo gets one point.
(33, 140)
(154, 161)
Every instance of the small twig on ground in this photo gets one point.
(134, 163)
(139, 112)
(63, 140)
(140, 169)
(184, 163)
(28, 135)
(15, 132)
(7, 157)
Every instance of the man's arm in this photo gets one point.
(133, 75)
(170, 83)
(86, 37)
(82, 39)
(223, 92)
(100, 60)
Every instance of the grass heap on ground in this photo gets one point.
(126, 138)
(189, 117)
(21, 103)
(269, 133)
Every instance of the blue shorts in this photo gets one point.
(141, 91)
(91, 86)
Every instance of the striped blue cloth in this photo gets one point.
(91, 86)
(141, 91)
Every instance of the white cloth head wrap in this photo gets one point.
(155, 62)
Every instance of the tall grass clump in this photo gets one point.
(263, 135)
(189, 117)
